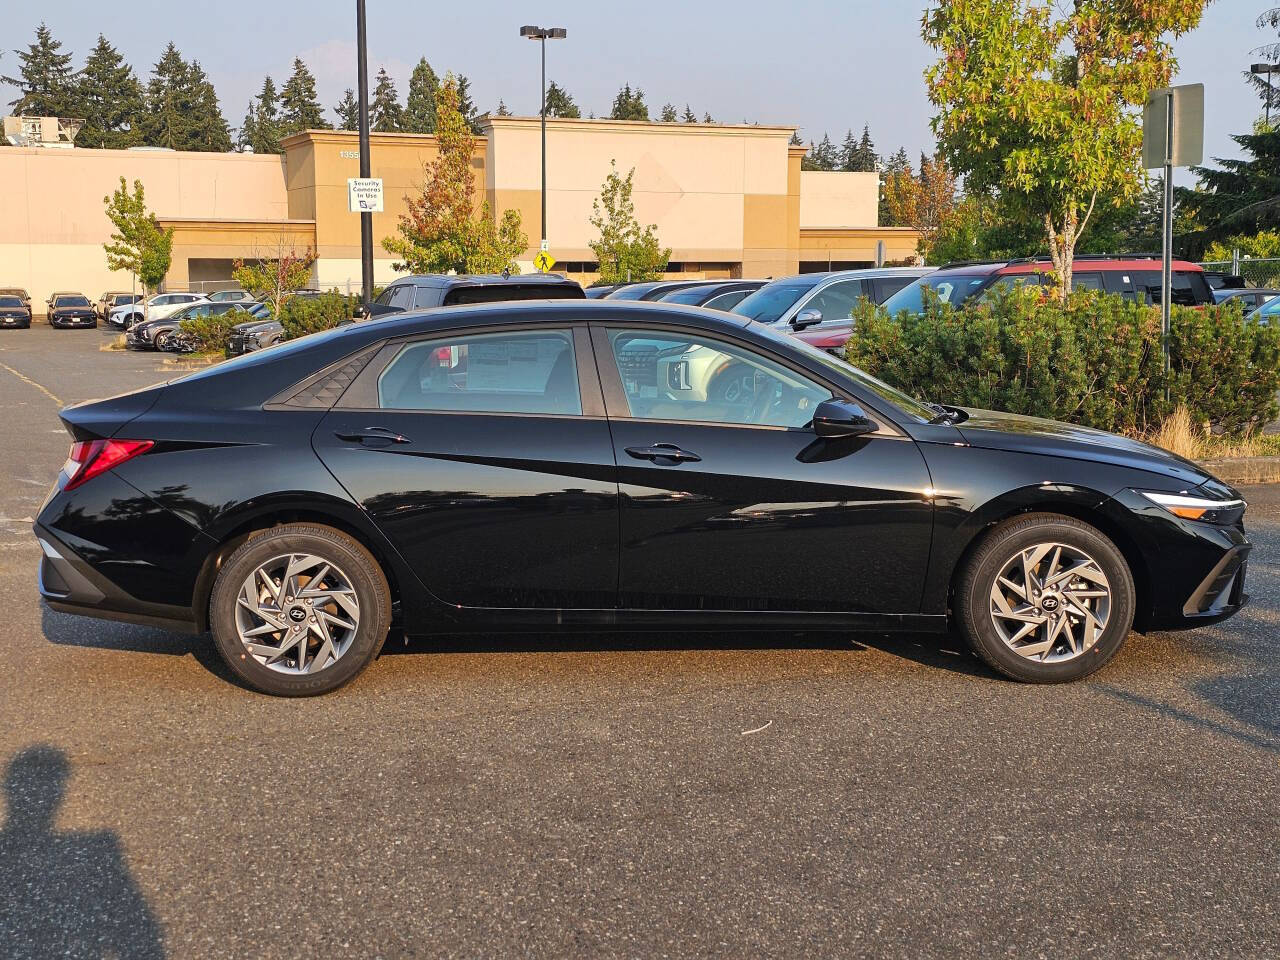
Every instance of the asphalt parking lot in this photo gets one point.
(631, 796)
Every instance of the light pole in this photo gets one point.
(1267, 68)
(542, 35)
(366, 218)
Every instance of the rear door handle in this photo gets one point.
(666, 453)
(373, 435)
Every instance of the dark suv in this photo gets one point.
(1135, 277)
(420, 293)
(437, 290)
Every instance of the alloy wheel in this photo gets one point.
(1050, 602)
(297, 613)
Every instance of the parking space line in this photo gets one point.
(27, 380)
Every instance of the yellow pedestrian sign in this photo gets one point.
(544, 261)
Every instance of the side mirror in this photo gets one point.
(841, 418)
(809, 317)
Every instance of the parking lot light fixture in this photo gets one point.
(1258, 69)
(542, 35)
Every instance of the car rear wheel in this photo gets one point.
(1045, 599)
(299, 610)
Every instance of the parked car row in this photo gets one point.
(162, 333)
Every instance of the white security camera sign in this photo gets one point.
(364, 194)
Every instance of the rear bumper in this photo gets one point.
(70, 585)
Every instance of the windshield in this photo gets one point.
(904, 402)
(951, 288)
(772, 300)
(71, 302)
(10, 302)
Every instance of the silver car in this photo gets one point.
(810, 299)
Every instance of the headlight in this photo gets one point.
(1190, 507)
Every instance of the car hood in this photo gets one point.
(253, 326)
(991, 429)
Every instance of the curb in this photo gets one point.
(1245, 469)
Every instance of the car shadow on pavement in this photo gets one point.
(65, 893)
(67, 630)
(939, 651)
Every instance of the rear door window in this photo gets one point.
(528, 371)
(1086, 281)
(882, 288)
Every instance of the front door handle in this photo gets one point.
(664, 453)
(373, 435)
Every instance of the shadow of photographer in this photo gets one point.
(64, 893)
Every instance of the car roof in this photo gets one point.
(1081, 264)
(480, 280)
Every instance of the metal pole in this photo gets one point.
(366, 218)
(543, 43)
(1166, 260)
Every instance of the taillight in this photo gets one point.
(89, 458)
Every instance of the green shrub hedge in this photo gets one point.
(1095, 360)
(211, 333)
(303, 315)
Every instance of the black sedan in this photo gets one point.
(13, 312)
(714, 295)
(71, 310)
(592, 464)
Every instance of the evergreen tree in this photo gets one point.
(502, 110)
(706, 118)
(420, 107)
(560, 103)
(795, 140)
(266, 119)
(299, 105)
(248, 131)
(848, 153)
(348, 111)
(165, 122)
(896, 166)
(689, 115)
(45, 81)
(1262, 83)
(465, 105)
(109, 98)
(386, 115)
(629, 106)
(669, 114)
(207, 128)
(821, 157)
(1241, 197)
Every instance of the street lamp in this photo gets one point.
(366, 218)
(542, 35)
(1268, 69)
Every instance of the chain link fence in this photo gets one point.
(1257, 271)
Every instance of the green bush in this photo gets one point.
(211, 333)
(303, 315)
(1095, 361)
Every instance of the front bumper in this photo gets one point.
(89, 321)
(1191, 573)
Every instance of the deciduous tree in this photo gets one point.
(137, 243)
(1037, 102)
(441, 229)
(625, 251)
(274, 274)
(923, 202)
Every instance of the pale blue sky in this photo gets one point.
(818, 65)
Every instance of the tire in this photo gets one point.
(1091, 613)
(163, 339)
(277, 670)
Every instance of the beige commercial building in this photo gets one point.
(730, 201)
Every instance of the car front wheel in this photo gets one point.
(299, 610)
(1045, 599)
